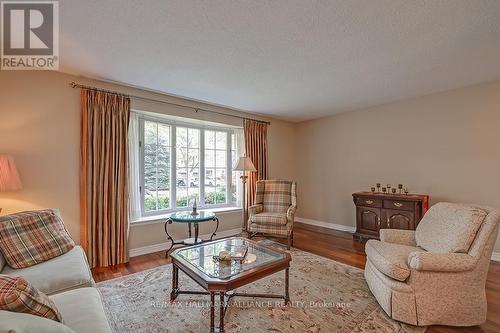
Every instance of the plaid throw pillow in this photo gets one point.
(29, 238)
(17, 295)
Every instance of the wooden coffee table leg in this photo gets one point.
(221, 314)
(212, 311)
(175, 283)
(287, 285)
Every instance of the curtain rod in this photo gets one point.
(77, 85)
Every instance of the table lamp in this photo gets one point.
(9, 177)
(245, 165)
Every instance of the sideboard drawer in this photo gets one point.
(399, 204)
(368, 202)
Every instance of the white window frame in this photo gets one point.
(173, 165)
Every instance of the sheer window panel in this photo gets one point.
(134, 168)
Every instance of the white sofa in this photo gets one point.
(68, 282)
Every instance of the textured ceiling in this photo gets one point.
(290, 59)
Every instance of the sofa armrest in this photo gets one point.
(441, 262)
(397, 236)
(255, 209)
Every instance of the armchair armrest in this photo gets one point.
(290, 213)
(441, 262)
(397, 236)
(255, 209)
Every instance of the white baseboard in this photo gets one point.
(139, 251)
(323, 224)
(495, 256)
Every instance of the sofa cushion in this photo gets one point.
(269, 218)
(390, 259)
(32, 237)
(17, 295)
(14, 322)
(449, 227)
(65, 272)
(82, 310)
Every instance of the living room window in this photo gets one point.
(182, 162)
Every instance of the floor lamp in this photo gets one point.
(244, 165)
(9, 177)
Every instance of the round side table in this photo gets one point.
(190, 219)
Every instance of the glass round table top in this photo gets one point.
(188, 217)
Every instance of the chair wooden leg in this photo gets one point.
(289, 241)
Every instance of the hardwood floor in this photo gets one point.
(338, 246)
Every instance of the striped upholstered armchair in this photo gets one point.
(274, 209)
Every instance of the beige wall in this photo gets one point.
(446, 145)
(40, 127)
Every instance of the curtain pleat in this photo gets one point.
(256, 149)
(104, 177)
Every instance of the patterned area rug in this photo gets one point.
(326, 296)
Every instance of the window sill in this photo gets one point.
(161, 218)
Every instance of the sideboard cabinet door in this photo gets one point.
(399, 219)
(368, 220)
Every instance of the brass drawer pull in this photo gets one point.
(369, 202)
(397, 204)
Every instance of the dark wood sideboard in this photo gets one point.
(375, 211)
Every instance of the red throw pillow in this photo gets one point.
(17, 295)
(32, 237)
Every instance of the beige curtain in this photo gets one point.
(103, 177)
(256, 148)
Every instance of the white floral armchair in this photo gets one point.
(274, 209)
(436, 274)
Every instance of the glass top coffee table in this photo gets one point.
(189, 219)
(220, 278)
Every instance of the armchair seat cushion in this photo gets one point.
(270, 218)
(284, 230)
(390, 259)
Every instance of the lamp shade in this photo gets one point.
(9, 177)
(244, 164)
